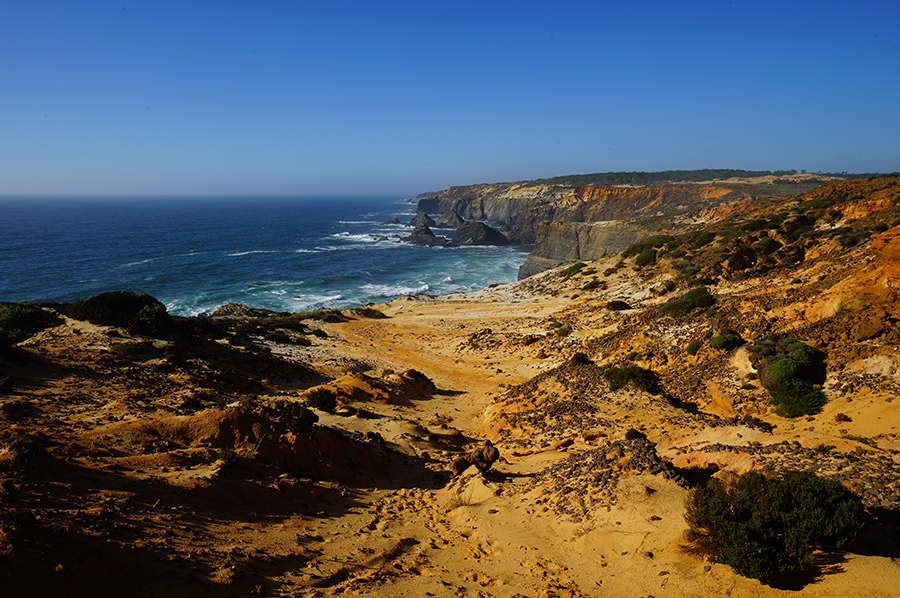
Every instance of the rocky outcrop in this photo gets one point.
(424, 237)
(421, 218)
(572, 241)
(449, 219)
(524, 207)
(392, 220)
(478, 233)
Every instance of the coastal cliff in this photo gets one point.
(582, 222)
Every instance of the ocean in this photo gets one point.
(196, 254)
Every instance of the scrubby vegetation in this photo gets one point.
(322, 399)
(726, 340)
(617, 305)
(647, 244)
(139, 313)
(789, 370)
(18, 321)
(763, 527)
(636, 376)
(679, 306)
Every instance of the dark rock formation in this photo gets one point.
(423, 219)
(423, 237)
(392, 220)
(559, 242)
(449, 219)
(478, 233)
(482, 457)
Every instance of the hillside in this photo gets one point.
(186, 461)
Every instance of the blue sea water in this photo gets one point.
(196, 254)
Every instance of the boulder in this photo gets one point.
(392, 220)
(423, 237)
(449, 219)
(478, 233)
(482, 457)
(423, 219)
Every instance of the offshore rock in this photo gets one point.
(392, 220)
(423, 237)
(478, 233)
(423, 219)
(449, 219)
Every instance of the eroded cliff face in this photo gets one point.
(559, 242)
(580, 223)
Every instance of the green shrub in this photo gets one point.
(572, 270)
(617, 305)
(369, 312)
(563, 331)
(789, 373)
(633, 434)
(686, 268)
(700, 239)
(304, 417)
(318, 332)
(645, 258)
(648, 243)
(581, 359)
(693, 347)
(133, 351)
(679, 306)
(18, 321)
(322, 399)
(763, 527)
(755, 225)
(726, 340)
(591, 285)
(765, 245)
(138, 313)
(638, 377)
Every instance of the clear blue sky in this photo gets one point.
(382, 97)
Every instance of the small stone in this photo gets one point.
(648, 554)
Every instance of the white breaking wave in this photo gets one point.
(388, 290)
(240, 253)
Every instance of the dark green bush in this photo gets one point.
(136, 312)
(322, 399)
(572, 270)
(789, 372)
(726, 340)
(700, 239)
(679, 306)
(755, 225)
(133, 351)
(617, 305)
(633, 434)
(638, 377)
(693, 347)
(580, 358)
(763, 527)
(645, 258)
(648, 243)
(18, 321)
(686, 268)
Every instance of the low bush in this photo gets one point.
(322, 399)
(645, 258)
(572, 270)
(18, 321)
(617, 305)
(764, 527)
(638, 377)
(726, 340)
(789, 371)
(138, 313)
(581, 359)
(700, 239)
(648, 243)
(133, 351)
(693, 347)
(679, 306)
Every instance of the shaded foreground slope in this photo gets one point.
(191, 468)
